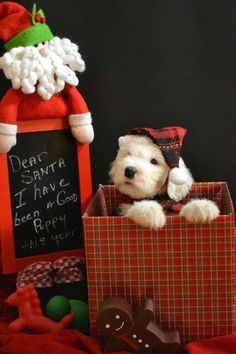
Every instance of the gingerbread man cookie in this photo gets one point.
(142, 335)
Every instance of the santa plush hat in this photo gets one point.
(19, 28)
(169, 140)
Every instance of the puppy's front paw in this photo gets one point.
(200, 211)
(147, 213)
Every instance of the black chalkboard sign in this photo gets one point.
(45, 198)
(43, 204)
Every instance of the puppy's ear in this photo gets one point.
(179, 191)
(123, 139)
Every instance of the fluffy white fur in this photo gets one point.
(147, 213)
(45, 68)
(200, 210)
(150, 180)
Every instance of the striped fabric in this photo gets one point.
(188, 269)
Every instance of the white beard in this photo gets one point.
(31, 71)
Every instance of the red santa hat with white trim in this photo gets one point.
(20, 28)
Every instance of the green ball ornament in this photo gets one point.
(81, 319)
(58, 307)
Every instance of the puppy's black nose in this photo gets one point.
(130, 172)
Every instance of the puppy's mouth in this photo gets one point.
(128, 183)
(132, 188)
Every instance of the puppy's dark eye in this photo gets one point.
(154, 162)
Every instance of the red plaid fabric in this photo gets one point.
(188, 269)
(39, 274)
(169, 140)
(68, 270)
(46, 274)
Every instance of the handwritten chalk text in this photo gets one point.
(17, 164)
(18, 220)
(29, 177)
(56, 221)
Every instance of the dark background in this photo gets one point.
(156, 63)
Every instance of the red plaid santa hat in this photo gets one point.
(169, 140)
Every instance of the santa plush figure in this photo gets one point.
(42, 70)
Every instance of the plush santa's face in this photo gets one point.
(44, 68)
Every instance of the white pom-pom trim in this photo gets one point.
(178, 176)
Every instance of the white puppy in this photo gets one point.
(141, 173)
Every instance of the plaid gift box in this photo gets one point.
(188, 269)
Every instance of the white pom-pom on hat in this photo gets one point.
(178, 176)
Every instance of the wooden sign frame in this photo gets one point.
(10, 263)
